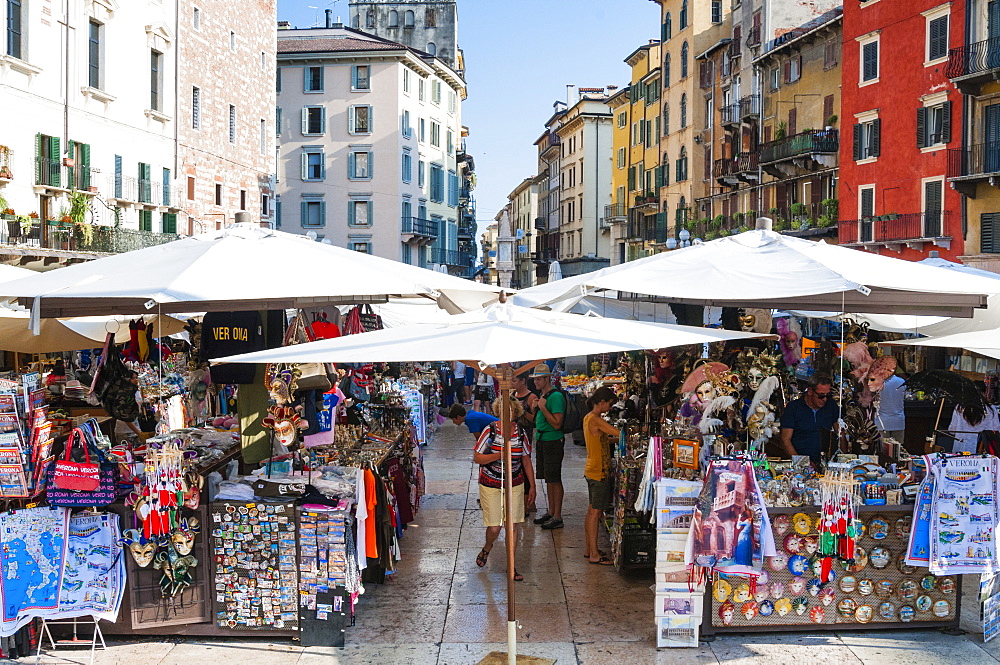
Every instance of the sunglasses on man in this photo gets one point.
(820, 395)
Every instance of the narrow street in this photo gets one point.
(441, 609)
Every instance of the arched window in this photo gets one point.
(408, 19)
(393, 19)
(668, 27)
(681, 214)
(682, 169)
(430, 19)
(666, 119)
(432, 48)
(684, 15)
(666, 71)
(370, 19)
(684, 60)
(684, 110)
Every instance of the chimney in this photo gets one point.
(329, 18)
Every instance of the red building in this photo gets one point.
(900, 114)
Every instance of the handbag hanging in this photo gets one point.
(104, 492)
(80, 476)
(312, 376)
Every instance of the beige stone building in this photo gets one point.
(522, 207)
(225, 119)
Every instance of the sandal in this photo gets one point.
(603, 561)
(599, 553)
(484, 554)
(518, 577)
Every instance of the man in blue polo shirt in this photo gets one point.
(474, 420)
(809, 419)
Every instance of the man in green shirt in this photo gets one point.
(549, 444)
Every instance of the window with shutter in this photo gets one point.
(793, 115)
(937, 38)
(945, 123)
(933, 194)
(869, 61)
(827, 109)
(922, 127)
(989, 233)
(876, 133)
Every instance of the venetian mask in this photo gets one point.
(142, 550)
(704, 394)
(749, 610)
(827, 595)
(797, 586)
(747, 321)
(285, 422)
(726, 612)
(783, 606)
(800, 605)
(817, 614)
(766, 608)
(754, 378)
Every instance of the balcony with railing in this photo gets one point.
(615, 212)
(750, 107)
(801, 154)
(971, 65)
(466, 228)
(974, 164)
(753, 37)
(419, 231)
(730, 114)
(545, 255)
(451, 257)
(646, 201)
(894, 231)
(742, 168)
(48, 172)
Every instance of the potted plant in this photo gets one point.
(79, 207)
(781, 131)
(830, 208)
(61, 237)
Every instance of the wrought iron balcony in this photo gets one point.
(451, 257)
(972, 64)
(416, 228)
(730, 114)
(896, 229)
(545, 255)
(646, 201)
(615, 212)
(731, 170)
(48, 172)
(825, 141)
(753, 37)
(750, 107)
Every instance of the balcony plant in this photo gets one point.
(830, 208)
(79, 206)
(781, 132)
(61, 236)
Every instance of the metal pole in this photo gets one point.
(506, 426)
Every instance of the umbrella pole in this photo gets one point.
(506, 426)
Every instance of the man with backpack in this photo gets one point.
(550, 426)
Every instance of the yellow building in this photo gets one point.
(616, 211)
(688, 28)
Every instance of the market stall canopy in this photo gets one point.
(9, 273)
(500, 333)
(764, 269)
(73, 334)
(242, 267)
(983, 342)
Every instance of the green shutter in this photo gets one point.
(922, 127)
(350, 213)
(370, 213)
(303, 213)
(38, 159)
(85, 161)
(145, 220)
(71, 170)
(631, 178)
(661, 227)
(170, 222)
(55, 170)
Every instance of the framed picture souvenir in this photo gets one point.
(685, 454)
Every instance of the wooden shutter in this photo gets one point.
(781, 198)
(793, 114)
(867, 202)
(767, 134)
(169, 222)
(989, 233)
(816, 190)
(946, 122)
(85, 161)
(658, 177)
(786, 68)
(661, 227)
(631, 178)
(305, 121)
(870, 61)
(55, 167)
(827, 108)
(876, 147)
(71, 170)
(305, 166)
(857, 142)
(922, 127)
(190, 188)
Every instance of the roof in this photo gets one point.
(335, 44)
(793, 36)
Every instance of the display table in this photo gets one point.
(869, 596)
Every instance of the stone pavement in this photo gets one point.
(441, 609)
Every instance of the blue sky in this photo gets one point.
(519, 56)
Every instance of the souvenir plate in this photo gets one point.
(928, 582)
(946, 584)
(880, 557)
(942, 608)
(887, 612)
(866, 587)
(903, 527)
(884, 588)
(904, 567)
(924, 603)
(860, 561)
(878, 528)
(906, 614)
(848, 583)
(864, 613)
(907, 589)
(847, 607)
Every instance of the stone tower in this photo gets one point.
(426, 25)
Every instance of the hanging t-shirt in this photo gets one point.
(228, 334)
(371, 498)
(361, 515)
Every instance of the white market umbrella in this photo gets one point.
(73, 334)
(500, 333)
(241, 267)
(9, 273)
(761, 268)
(985, 342)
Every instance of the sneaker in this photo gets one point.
(553, 524)
(543, 519)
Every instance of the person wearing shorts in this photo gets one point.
(488, 455)
(597, 433)
(549, 443)
(469, 381)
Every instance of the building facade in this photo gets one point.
(900, 117)
(584, 132)
(974, 152)
(616, 212)
(547, 236)
(370, 139)
(225, 111)
(430, 26)
(78, 129)
(522, 210)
